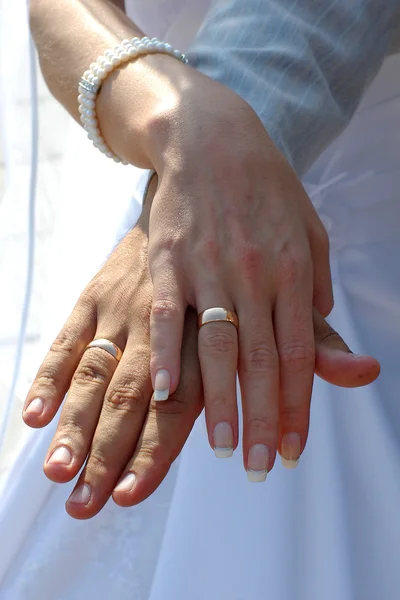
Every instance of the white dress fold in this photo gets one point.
(330, 529)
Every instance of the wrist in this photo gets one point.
(136, 104)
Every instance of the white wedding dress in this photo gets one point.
(329, 530)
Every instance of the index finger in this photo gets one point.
(166, 429)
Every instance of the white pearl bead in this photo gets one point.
(86, 74)
(132, 52)
(93, 66)
(124, 56)
(141, 48)
(108, 53)
(116, 159)
(145, 39)
(108, 66)
(160, 47)
(135, 40)
(154, 39)
(177, 54)
(151, 47)
(125, 43)
(168, 48)
(88, 103)
(100, 60)
(118, 50)
(81, 109)
(96, 81)
(115, 60)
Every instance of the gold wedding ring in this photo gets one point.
(212, 315)
(108, 346)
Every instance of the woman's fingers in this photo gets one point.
(54, 376)
(166, 429)
(296, 348)
(334, 361)
(259, 384)
(123, 413)
(166, 329)
(323, 290)
(218, 355)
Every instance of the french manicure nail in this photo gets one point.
(257, 463)
(126, 484)
(60, 456)
(81, 495)
(223, 440)
(290, 450)
(162, 383)
(35, 407)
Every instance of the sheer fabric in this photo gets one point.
(329, 530)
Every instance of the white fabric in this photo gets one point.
(328, 530)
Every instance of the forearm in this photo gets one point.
(70, 35)
(302, 66)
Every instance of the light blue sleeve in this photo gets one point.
(301, 64)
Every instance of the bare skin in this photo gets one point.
(227, 210)
(109, 423)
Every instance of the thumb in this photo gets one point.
(334, 361)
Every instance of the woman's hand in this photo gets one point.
(231, 226)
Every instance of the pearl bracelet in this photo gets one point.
(92, 79)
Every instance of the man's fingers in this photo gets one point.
(335, 363)
(55, 373)
(123, 412)
(166, 429)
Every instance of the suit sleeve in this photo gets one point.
(302, 65)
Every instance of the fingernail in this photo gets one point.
(290, 450)
(81, 495)
(161, 385)
(60, 456)
(257, 463)
(126, 484)
(35, 407)
(223, 440)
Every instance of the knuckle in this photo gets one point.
(297, 356)
(322, 239)
(210, 253)
(165, 246)
(128, 398)
(64, 344)
(262, 427)
(250, 260)
(218, 340)
(291, 266)
(160, 456)
(295, 417)
(90, 373)
(47, 379)
(97, 462)
(164, 311)
(71, 428)
(260, 359)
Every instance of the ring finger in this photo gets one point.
(218, 355)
